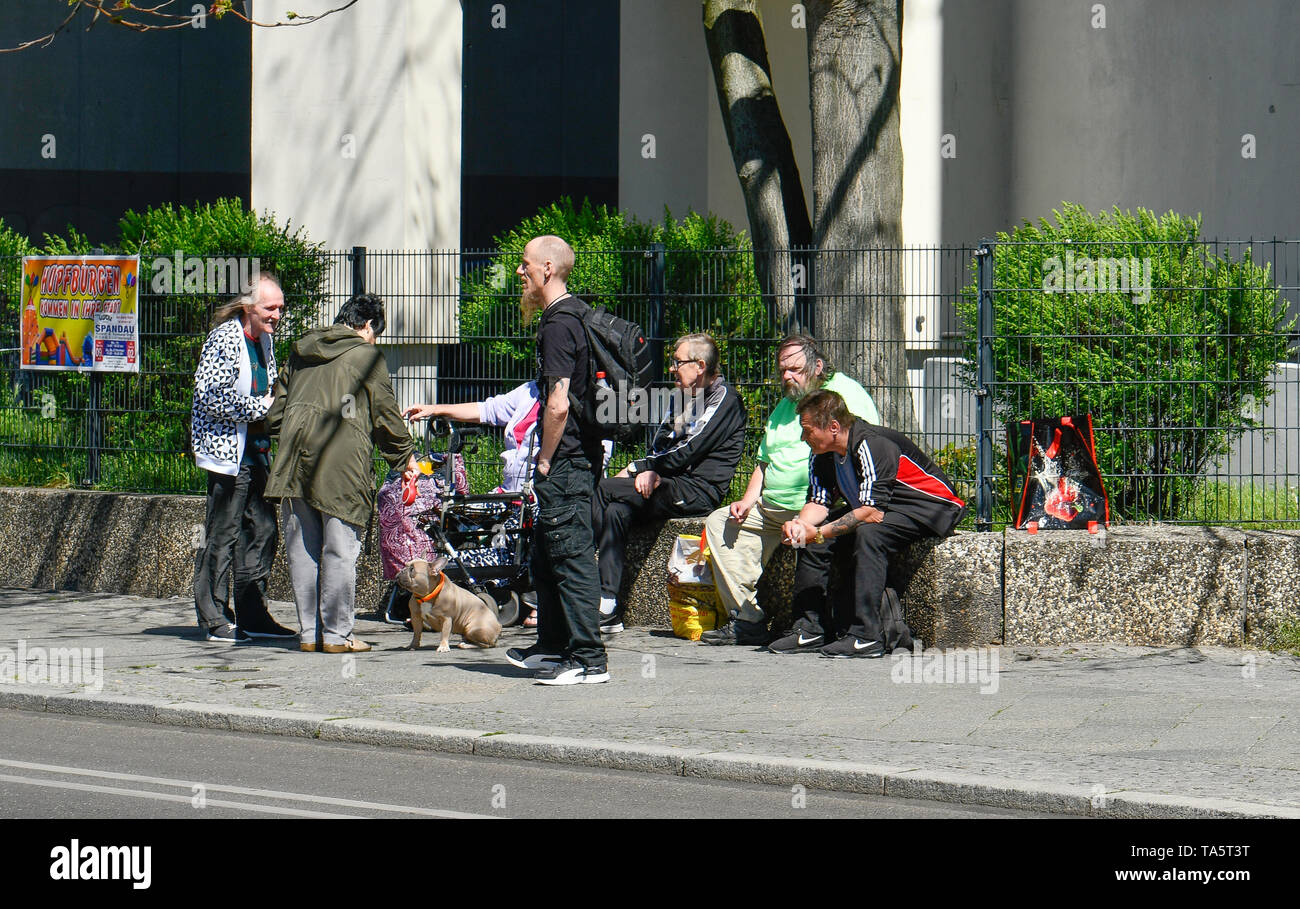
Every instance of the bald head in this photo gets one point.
(553, 249)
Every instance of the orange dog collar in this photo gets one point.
(442, 579)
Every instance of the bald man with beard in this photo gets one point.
(569, 650)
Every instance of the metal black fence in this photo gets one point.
(455, 335)
(1181, 352)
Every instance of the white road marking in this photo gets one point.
(166, 797)
(239, 790)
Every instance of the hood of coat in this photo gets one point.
(323, 344)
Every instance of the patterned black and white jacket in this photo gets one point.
(223, 407)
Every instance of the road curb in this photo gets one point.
(837, 776)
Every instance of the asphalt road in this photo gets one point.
(78, 768)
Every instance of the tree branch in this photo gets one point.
(157, 18)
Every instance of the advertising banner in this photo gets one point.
(80, 312)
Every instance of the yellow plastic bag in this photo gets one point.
(693, 609)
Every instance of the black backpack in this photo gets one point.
(619, 361)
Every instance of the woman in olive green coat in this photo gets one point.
(334, 404)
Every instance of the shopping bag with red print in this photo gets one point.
(1062, 487)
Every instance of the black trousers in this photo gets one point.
(564, 563)
(239, 533)
(863, 563)
(618, 504)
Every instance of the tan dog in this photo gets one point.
(446, 607)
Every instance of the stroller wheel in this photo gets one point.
(509, 611)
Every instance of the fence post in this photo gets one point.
(658, 292)
(358, 270)
(94, 417)
(983, 401)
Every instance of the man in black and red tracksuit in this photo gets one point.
(893, 495)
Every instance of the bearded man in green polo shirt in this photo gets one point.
(743, 535)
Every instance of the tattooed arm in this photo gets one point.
(554, 419)
(850, 520)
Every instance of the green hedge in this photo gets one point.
(147, 413)
(1165, 370)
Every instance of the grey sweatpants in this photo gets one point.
(322, 552)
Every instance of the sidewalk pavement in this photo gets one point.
(1091, 729)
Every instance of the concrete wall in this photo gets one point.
(1148, 111)
(356, 136)
(356, 123)
(1177, 586)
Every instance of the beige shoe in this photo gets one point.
(307, 648)
(351, 646)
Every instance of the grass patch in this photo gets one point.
(1284, 637)
(1252, 506)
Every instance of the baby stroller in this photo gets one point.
(486, 537)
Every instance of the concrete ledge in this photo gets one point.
(1161, 585)
(951, 589)
(107, 542)
(1148, 585)
(1273, 569)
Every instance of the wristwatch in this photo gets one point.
(819, 537)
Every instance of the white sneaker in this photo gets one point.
(533, 657)
(571, 672)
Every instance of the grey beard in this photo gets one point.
(794, 392)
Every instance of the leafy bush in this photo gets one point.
(709, 282)
(708, 285)
(173, 325)
(146, 414)
(1165, 370)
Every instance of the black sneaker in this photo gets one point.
(737, 631)
(227, 634)
(571, 672)
(264, 626)
(612, 623)
(535, 657)
(798, 640)
(852, 646)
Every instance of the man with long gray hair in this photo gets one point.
(686, 472)
(232, 395)
(743, 536)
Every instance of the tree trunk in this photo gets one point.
(761, 150)
(855, 64)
